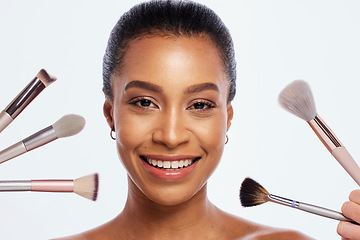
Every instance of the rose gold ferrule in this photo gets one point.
(324, 133)
(52, 185)
(40, 138)
(23, 99)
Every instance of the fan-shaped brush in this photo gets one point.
(253, 194)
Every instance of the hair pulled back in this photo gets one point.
(168, 18)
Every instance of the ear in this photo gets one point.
(230, 114)
(108, 112)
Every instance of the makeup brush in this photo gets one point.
(66, 126)
(253, 194)
(29, 93)
(297, 98)
(86, 186)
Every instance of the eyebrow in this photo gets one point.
(144, 85)
(201, 87)
(155, 88)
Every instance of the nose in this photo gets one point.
(171, 129)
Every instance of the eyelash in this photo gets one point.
(137, 102)
(206, 105)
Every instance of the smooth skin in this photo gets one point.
(171, 102)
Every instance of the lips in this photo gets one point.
(169, 167)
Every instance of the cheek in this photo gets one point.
(131, 132)
(211, 137)
(211, 133)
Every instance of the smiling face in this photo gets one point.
(171, 114)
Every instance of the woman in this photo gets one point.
(169, 79)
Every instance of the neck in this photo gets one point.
(156, 221)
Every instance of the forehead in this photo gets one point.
(173, 58)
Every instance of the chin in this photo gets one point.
(172, 195)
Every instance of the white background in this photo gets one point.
(276, 42)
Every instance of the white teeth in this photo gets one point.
(175, 164)
(170, 164)
(153, 162)
(186, 163)
(166, 164)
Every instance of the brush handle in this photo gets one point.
(347, 162)
(6, 186)
(37, 185)
(323, 212)
(36, 140)
(5, 120)
(335, 147)
(12, 151)
(52, 185)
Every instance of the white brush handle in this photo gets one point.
(15, 185)
(323, 212)
(347, 162)
(5, 120)
(12, 151)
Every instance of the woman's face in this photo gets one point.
(170, 114)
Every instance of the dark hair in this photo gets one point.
(168, 18)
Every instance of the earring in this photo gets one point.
(227, 139)
(112, 130)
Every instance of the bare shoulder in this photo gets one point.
(74, 237)
(227, 226)
(248, 230)
(279, 234)
(102, 232)
(91, 234)
(69, 238)
(88, 235)
(95, 233)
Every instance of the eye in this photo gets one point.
(143, 102)
(201, 105)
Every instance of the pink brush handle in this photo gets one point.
(5, 120)
(52, 185)
(12, 151)
(347, 162)
(335, 147)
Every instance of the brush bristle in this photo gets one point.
(87, 186)
(298, 100)
(69, 125)
(45, 77)
(252, 193)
